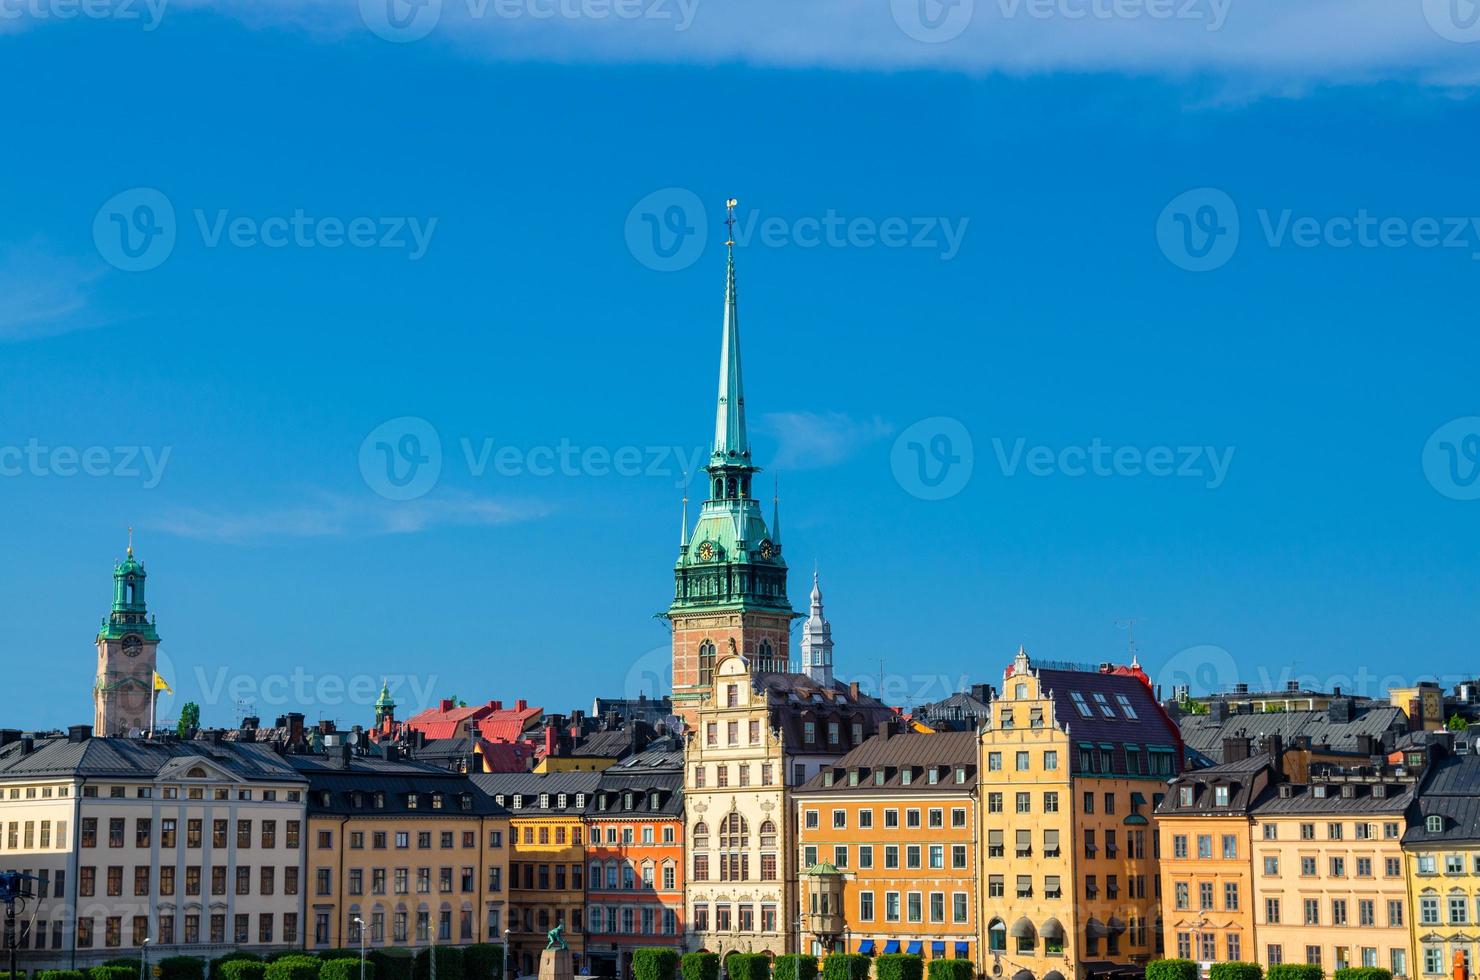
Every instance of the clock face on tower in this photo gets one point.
(132, 645)
(767, 549)
(706, 551)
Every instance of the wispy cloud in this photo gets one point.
(1285, 42)
(42, 295)
(815, 440)
(329, 515)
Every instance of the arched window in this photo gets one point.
(768, 834)
(734, 846)
(997, 936)
(706, 662)
(701, 836)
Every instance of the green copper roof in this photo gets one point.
(384, 701)
(822, 869)
(731, 444)
(129, 614)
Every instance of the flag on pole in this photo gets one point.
(161, 685)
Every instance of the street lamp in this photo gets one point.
(361, 923)
(507, 930)
(143, 959)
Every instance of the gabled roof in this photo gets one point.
(1245, 780)
(137, 758)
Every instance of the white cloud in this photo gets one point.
(337, 515)
(1283, 41)
(813, 440)
(42, 295)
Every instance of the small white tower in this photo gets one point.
(817, 644)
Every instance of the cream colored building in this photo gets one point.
(195, 846)
(755, 737)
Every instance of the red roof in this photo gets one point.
(508, 725)
(492, 720)
(505, 756)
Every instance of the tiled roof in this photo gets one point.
(917, 752)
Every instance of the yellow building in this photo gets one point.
(1072, 761)
(1329, 882)
(1443, 850)
(1207, 876)
(547, 858)
(400, 854)
(1423, 704)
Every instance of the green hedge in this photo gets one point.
(1238, 971)
(483, 961)
(346, 968)
(241, 955)
(748, 966)
(116, 972)
(1294, 971)
(242, 970)
(7, 975)
(1362, 973)
(299, 967)
(1171, 970)
(61, 975)
(391, 964)
(792, 967)
(654, 963)
(449, 963)
(951, 970)
(899, 966)
(132, 961)
(182, 968)
(342, 953)
(699, 966)
(845, 966)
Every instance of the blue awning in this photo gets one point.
(937, 949)
(892, 946)
(866, 947)
(963, 951)
(915, 948)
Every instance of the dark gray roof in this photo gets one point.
(137, 758)
(1452, 793)
(961, 711)
(1202, 733)
(577, 787)
(1297, 798)
(1245, 779)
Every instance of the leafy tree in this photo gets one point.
(189, 719)
(1457, 724)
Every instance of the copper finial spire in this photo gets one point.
(730, 221)
(130, 541)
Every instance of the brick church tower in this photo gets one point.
(127, 646)
(730, 578)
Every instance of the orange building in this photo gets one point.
(634, 855)
(1206, 825)
(897, 818)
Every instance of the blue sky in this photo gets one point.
(1059, 291)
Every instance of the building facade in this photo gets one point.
(195, 846)
(635, 859)
(896, 819)
(1073, 764)
(128, 645)
(400, 854)
(547, 858)
(1442, 846)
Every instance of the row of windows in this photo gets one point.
(916, 856)
(630, 835)
(173, 792)
(195, 876)
(401, 925)
(1135, 843)
(620, 874)
(1341, 956)
(544, 877)
(1454, 864)
(25, 835)
(736, 918)
(38, 792)
(1457, 907)
(1337, 866)
(169, 832)
(1336, 830)
(1339, 913)
(935, 818)
(743, 773)
(915, 907)
(446, 839)
(646, 921)
(1053, 887)
(164, 933)
(932, 775)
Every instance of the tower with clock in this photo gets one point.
(730, 577)
(127, 648)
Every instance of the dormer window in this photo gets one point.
(465, 800)
(518, 801)
(654, 800)
(1434, 824)
(544, 801)
(626, 801)
(960, 774)
(1185, 796)
(436, 801)
(580, 800)
(379, 800)
(1319, 792)
(932, 776)
(411, 801)
(827, 777)
(879, 777)
(906, 775)
(852, 777)
(560, 800)
(1220, 795)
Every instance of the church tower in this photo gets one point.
(817, 643)
(730, 579)
(127, 646)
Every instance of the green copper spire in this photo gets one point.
(731, 444)
(385, 705)
(128, 614)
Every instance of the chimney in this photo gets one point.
(344, 755)
(1341, 710)
(1235, 748)
(1241, 688)
(1217, 711)
(496, 705)
(1336, 692)
(79, 733)
(613, 721)
(9, 735)
(886, 728)
(251, 723)
(853, 690)
(521, 705)
(444, 705)
(1275, 746)
(1366, 745)
(295, 727)
(552, 740)
(28, 744)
